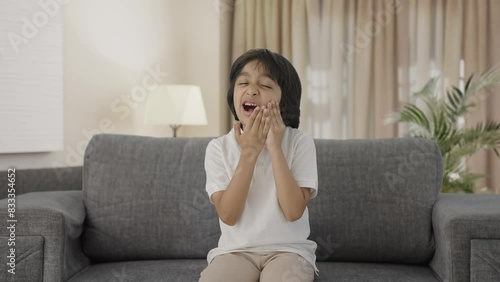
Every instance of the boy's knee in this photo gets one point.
(229, 268)
(288, 267)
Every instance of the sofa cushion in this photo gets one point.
(189, 270)
(375, 200)
(148, 270)
(145, 199)
(373, 272)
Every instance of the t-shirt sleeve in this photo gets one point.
(304, 166)
(217, 177)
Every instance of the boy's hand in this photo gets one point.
(255, 133)
(275, 136)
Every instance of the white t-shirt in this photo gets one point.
(262, 226)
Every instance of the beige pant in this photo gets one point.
(251, 267)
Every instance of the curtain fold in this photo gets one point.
(353, 73)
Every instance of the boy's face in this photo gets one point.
(253, 88)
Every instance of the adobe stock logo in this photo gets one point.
(39, 19)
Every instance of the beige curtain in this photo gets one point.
(352, 69)
(367, 56)
(481, 46)
(359, 59)
(453, 39)
(492, 162)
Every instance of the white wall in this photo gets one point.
(109, 47)
(31, 79)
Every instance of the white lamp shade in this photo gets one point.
(175, 105)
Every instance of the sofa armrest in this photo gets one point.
(467, 236)
(44, 179)
(47, 236)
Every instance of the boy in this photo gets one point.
(260, 177)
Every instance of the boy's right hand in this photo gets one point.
(253, 138)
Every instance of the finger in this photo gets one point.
(251, 120)
(277, 109)
(277, 115)
(267, 111)
(236, 127)
(267, 126)
(265, 114)
(274, 115)
(257, 120)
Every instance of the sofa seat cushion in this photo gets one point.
(373, 272)
(146, 270)
(189, 270)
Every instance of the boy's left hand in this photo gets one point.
(277, 130)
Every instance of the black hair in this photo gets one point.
(282, 72)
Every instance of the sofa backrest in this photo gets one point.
(375, 199)
(145, 199)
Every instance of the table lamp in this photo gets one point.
(175, 105)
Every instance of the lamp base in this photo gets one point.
(174, 129)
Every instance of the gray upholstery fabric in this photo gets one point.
(131, 190)
(146, 203)
(373, 272)
(171, 270)
(44, 179)
(145, 199)
(485, 260)
(457, 219)
(57, 217)
(375, 200)
(29, 259)
(189, 271)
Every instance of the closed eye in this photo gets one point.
(267, 86)
(243, 83)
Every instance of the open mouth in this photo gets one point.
(248, 108)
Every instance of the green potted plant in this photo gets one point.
(439, 120)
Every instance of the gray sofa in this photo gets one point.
(143, 215)
(44, 179)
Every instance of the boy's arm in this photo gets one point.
(230, 202)
(291, 197)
